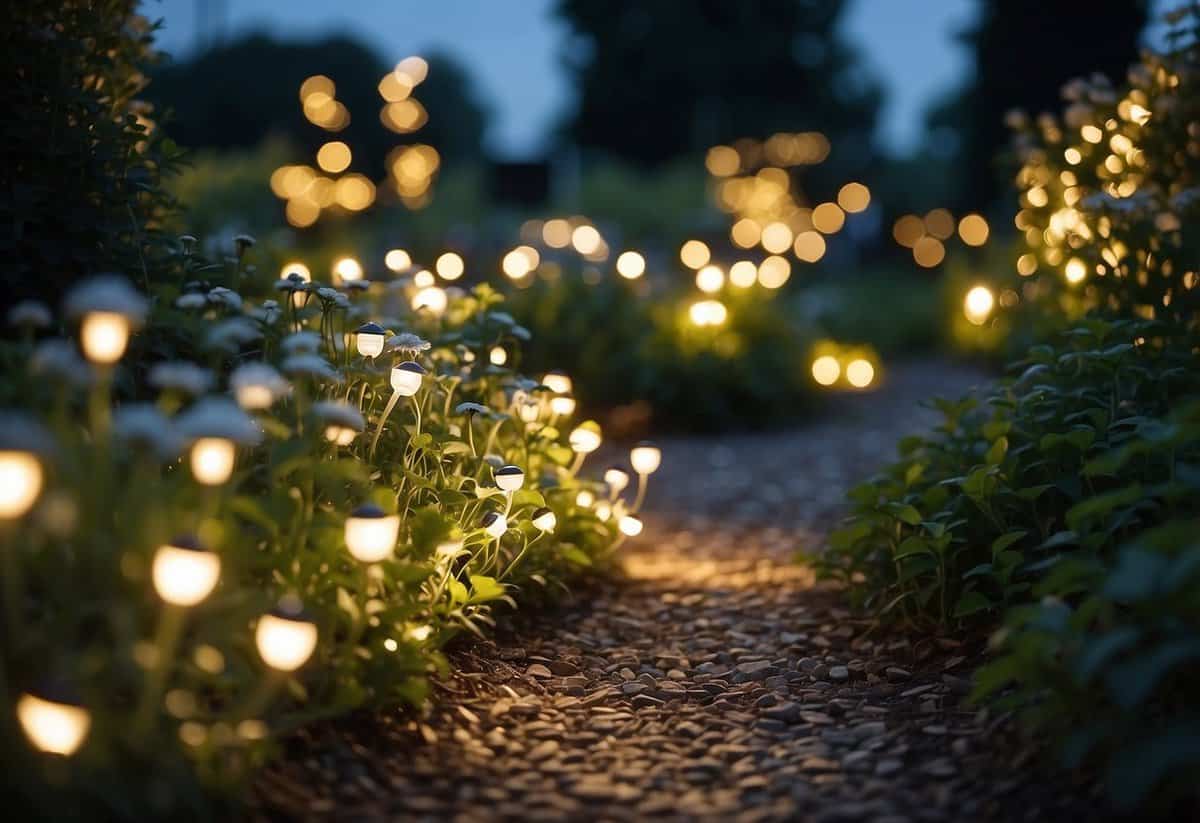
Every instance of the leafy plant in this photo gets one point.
(175, 531)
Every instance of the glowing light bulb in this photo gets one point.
(586, 437)
(562, 405)
(584, 499)
(495, 524)
(285, 638)
(498, 356)
(450, 266)
(545, 520)
(347, 270)
(616, 478)
(743, 274)
(645, 458)
(604, 510)
(340, 435)
(184, 572)
(397, 260)
(212, 460)
(1075, 271)
(710, 279)
(424, 279)
(558, 382)
(630, 525)
(708, 313)
(369, 338)
(826, 370)
(54, 724)
(510, 478)
(860, 373)
(433, 298)
(21, 479)
(371, 534)
(631, 265)
(978, 305)
(406, 378)
(104, 336)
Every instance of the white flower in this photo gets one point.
(30, 313)
(107, 293)
(191, 300)
(222, 296)
(59, 359)
(309, 365)
(302, 342)
(267, 313)
(326, 293)
(339, 414)
(409, 342)
(181, 376)
(219, 417)
(231, 334)
(257, 385)
(142, 426)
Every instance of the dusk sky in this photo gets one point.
(511, 49)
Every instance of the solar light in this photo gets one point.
(586, 437)
(340, 435)
(645, 457)
(21, 480)
(584, 499)
(184, 572)
(212, 460)
(104, 336)
(498, 356)
(604, 510)
(510, 478)
(544, 519)
(397, 260)
(630, 525)
(371, 534)
(285, 637)
(369, 339)
(529, 412)
(558, 382)
(860, 373)
(826, 370)
(433, 298)
(563, 405)
(347, 270)
(406, 378)
(54, 721)
(495, 524)
(978, 305)
(616, 478)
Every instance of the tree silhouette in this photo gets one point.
(661, 78)
(1024, 51)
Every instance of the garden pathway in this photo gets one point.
(713, 681)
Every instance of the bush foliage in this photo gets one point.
(1062, 505)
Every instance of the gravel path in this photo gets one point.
(714, 681)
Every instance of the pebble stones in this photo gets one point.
(715, 681)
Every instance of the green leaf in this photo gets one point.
(1005, 540)
(971, 603)
(484, 588)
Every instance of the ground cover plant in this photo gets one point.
(1060, 506)
(224, 518)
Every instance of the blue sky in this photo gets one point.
(511, 49)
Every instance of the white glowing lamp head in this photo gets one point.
(340, 435)
(212, 460)
(495, 524)
(616, 478)
(433, 298)
(406, 378)
(54, 720)
(185, 572)
(978, 304)
(584, 499)
(630, 525)
(529, 412)
(545, 520)
(586, 437)
(510, 478)
(604, 510)
(104, 336)
(21, 479)
(285, 637)
(563, 405)
(371, 534)
(369, 338)
(645, 457)
(558, 382)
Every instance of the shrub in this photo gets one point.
(1061, 504)
(80, 184)
(377, 493)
